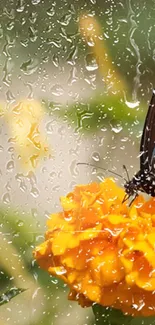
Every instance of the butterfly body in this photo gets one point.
(144, 179)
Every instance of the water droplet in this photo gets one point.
(91, 64)
(73, 76)
(125, 139)
(33, 34)
(32, 178)
(35, 2)
(73, 168)
(56, 188)
(6, 198)
(34, 192)
(9, 96)
(23, 186)
(29, 67)
(49, 127)
(65, 20)
(100, 176)
(53, 175)
(10, 166)
(24, 42)
(1, 31)
(20, 223)
(53, 41)
(34, 212)
(60, 270)
(54, 280)
(57, 90)
(96, 156)
(20, 6)
(51, 11)
(10, 25)
(8, 186)
(132, 104)
(68, 218)
(72, 56)
(117, 128)
(55, 60)
(153, 57)
(90, 41)
(33, 17)
(8, 71)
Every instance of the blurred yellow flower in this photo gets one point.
(92, 32)
(103, 249)
(24, 121)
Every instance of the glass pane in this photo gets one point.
(76, 80)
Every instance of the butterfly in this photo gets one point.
(144, 179)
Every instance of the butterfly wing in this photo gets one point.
(147, 146)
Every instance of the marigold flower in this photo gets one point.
(24, 121)
(103, 249)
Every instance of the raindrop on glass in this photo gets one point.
(10, 165)
(96, 156)
(91, 64)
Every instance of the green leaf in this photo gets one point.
(93, 115)
(143, 320)
(8, 295)
(110, 316)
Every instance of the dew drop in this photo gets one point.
(23, 186)
(20, 223)
(32, 34)
(7, 186)
(91, 64)
(10, 166)
(55, 60)
(29, 67)
(64, 21)
(117, 129)
(60, 270)
(96, 156)
(57, 90)
(49, 127)
(20, 6)
(90, 42)
(34, 192)
(51, 12)
(73, 168)
(6, 198)
(34, 212)
(35, 2)
(10, 25)
(54, 281)
(132, 104)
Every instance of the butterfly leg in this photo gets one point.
(126, 197)
(136, 194)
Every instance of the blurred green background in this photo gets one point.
(44, 56)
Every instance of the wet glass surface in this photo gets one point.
(76, 78)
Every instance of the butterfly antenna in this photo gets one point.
(124, 167)
(108, 170)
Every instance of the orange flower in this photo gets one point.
(103, 249)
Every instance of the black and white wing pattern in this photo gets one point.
(147, 146)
